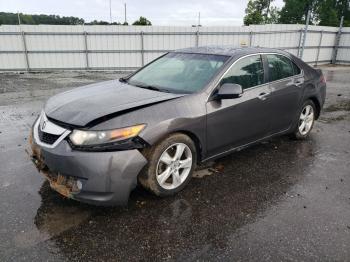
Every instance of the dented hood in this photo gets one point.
(82, 105)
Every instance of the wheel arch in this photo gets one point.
(195, 138)
(196, 141)
(317, 105)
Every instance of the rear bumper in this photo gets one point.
(101, 178)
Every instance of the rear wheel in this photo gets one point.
(305, 121)
(170, 165)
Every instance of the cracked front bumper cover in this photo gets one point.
(105, 178)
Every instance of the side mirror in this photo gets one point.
(229, 91)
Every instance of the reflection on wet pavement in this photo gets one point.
(279, 200)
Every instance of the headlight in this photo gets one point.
(86, 138)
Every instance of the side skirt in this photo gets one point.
(239, 148)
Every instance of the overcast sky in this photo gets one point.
(159, 12)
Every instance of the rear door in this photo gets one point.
(239, 121)
(285, 81)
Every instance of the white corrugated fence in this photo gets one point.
(56, 47)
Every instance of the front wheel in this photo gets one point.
(305, 121)
(170, 165)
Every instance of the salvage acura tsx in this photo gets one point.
(95, 143)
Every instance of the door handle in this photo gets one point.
(299, 82)
(263, 95)
(296, 82)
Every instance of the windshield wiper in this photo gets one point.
(123, 80)
(150, 87)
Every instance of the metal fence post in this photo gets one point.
(305, 33)
(250, 38)
(337, 40)
(197, 38)
(319, 47)
(142, 49)
(25, 50)
(299, 44)
(86, 51)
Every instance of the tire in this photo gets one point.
(163, 162)
(305, 121)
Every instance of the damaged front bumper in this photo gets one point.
(101, 178)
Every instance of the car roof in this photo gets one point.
(229, 50)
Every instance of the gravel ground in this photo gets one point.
(279, 200)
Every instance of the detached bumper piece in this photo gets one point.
(65, 185)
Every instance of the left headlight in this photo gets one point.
(87, 138)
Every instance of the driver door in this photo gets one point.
(239, 121)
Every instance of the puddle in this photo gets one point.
(208, 170)
(202, 173)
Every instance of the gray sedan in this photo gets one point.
(95, 143)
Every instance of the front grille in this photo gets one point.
(46, 137)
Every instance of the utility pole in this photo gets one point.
(199, 19)
(305, 33)
(125, 13)
(110, 11)
(19, 18)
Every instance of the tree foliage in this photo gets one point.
(12, 19)
(295, 11)
(142, 21)
(260, 12)
(331, 11)
(101, 22)
(323, 12)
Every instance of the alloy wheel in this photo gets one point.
(174, 166)
(306, 120)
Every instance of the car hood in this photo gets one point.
(81, 106)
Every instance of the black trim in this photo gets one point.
(266, 68)
(47, 138)
(63, 124)
(128, 144)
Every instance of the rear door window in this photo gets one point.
(247, 72)
(280, 67)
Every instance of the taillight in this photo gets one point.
(322, 79)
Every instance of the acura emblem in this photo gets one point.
(43, 126)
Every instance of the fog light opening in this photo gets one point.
(77, 186)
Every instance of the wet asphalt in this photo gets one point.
(278, 200)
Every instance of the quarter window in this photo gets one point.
(247, 72)
(281, 67)
(296, 69)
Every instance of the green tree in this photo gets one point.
(12, 19)
(343, 9)
(323, 12)
(273, 16)
(142, 21)
(260, 12)
(295, 11)
(327, 13)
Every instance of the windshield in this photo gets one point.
(179, 72)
